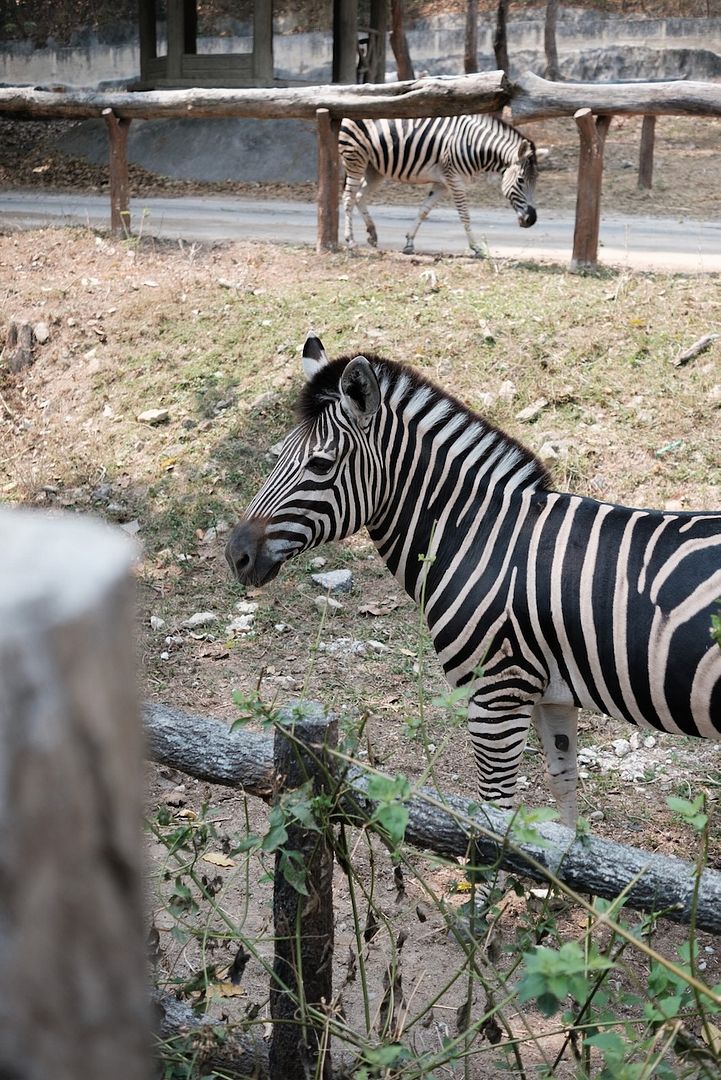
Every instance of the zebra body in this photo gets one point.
(539, 602)
(445, 152)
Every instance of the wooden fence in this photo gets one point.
(71, 921)
(530, 97)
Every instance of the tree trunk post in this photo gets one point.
(119, 183)
(553, 71)
(470, 53)
(645, 157)
(500, 36)
(328, 181)
(73, 980)
(592, 134)
(303, 964)
(399, 43)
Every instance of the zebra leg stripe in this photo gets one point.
(457, 189)
(425, 209)
(557, 727)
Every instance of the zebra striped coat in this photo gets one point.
(539, 602)
(445, 152)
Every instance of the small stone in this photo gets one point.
(327, 604)
(532, 411)
(131, 527)
(335, 581)
(673, 505)
(154, 416)
(165, 656)
(318, 563)
(285, 682)
(156, 623)
(242, 625)
(41, 331)
(246, 607)
(281, 627)
(649, 742)
(596, 815)
(621, 747)
(378, 646)
(200, 618)
(507, 390)
(276, 448)
(548, 452)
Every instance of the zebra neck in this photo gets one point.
(442, 496)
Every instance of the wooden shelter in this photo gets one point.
(170, 56)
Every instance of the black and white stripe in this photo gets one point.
(539, 602)
(445, 152)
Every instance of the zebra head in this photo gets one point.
(518, 183)
(324, 483)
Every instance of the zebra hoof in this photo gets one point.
(409, 250)
(373, 241)
(478, 253)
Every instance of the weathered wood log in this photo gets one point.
(444, 95)
(328, 180)
(445, 824)
(213, 1044)
(534, 98)
(73, 989)
(592, 135)
(118, 129)
(645, 154)
(303, 962)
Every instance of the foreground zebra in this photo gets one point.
(538, 601)
(445, 152)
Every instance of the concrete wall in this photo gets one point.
(636, 47)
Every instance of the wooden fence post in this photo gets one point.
(645, 156)
(73, 986)
(303, 965)
(592, 135)
(328, 172)
(118, 129)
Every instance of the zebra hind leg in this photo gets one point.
(350, 196)
(557, 727)
(371, 182)
(425, 209)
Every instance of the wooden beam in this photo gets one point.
(119, 181)
(537, 98)
(645, 155)
(592, 133)
(328, 181)
(345, 40)
(447, 96)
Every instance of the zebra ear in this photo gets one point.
(314, 356)
(360, 392)
(525, 150)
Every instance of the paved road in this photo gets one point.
(634, 242)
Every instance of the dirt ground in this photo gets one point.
(133, 326)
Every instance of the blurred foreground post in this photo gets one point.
(73, 990)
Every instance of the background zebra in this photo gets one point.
(537, 601)
(444, 151)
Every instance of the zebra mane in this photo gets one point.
(324, 388)
(503, 125)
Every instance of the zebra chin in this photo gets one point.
(248, 554)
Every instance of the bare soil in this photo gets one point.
(212, 334)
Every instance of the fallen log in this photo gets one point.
(447, 824)
(534, 98)
(439, 95)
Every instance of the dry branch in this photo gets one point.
(214, 1044)
(694, 350)
(445, 824)
(534, 98)
(449, 96)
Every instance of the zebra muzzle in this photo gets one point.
(248, 556)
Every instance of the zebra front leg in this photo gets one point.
(557, 727)
(350, 196)
(426, 207)
(458, 191)
(371, 181)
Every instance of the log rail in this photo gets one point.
(530, 98)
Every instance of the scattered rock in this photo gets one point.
(246, 607)
(378, 646)
(200, 618)
(41, 331)
(507, 390)
(156, 623)
(327, 605)
(596, 815)
(284, 682)
(532, 411)
(242, 625)
(154, 416)
(334, 581)
(318, 562)
(131, 527)
(342, 646)
(621, 747)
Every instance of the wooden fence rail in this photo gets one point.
(530, 97)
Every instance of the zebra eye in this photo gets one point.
(321, 466)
